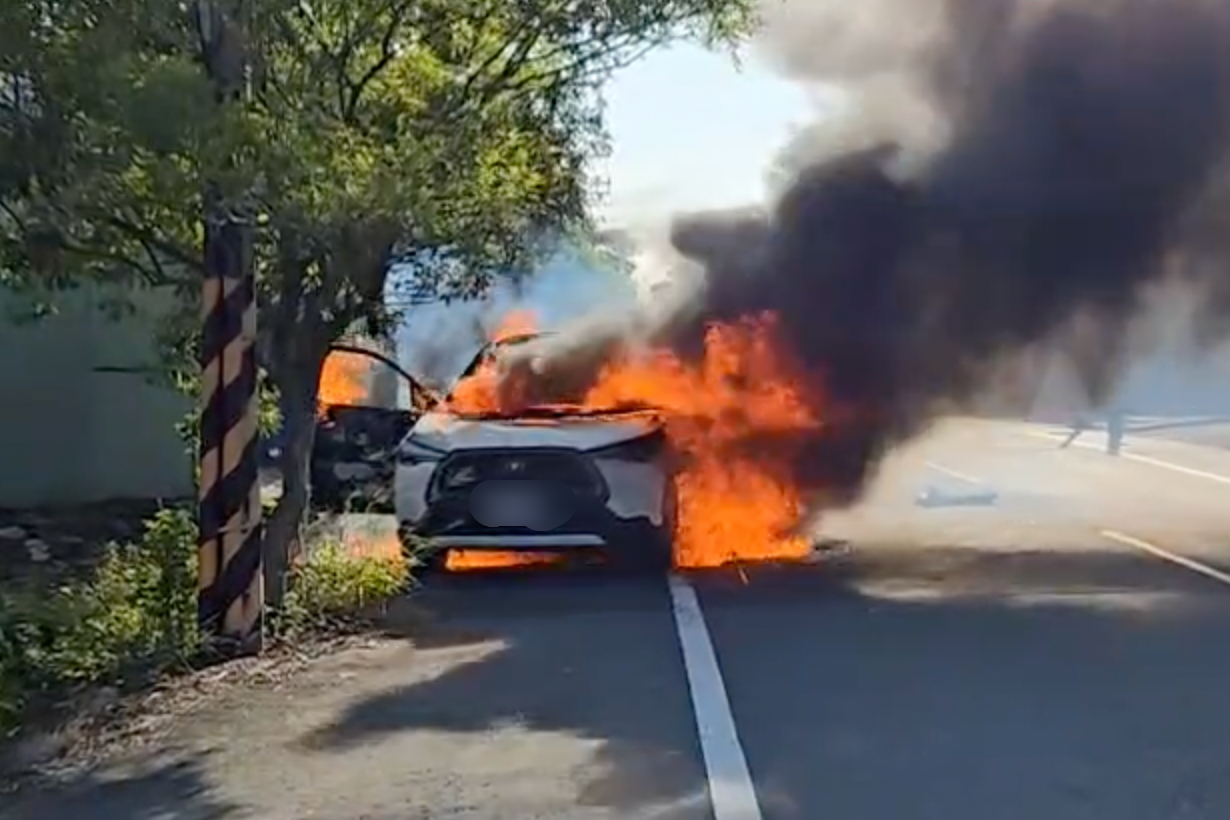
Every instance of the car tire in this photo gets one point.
(660, 552)
(655, 550)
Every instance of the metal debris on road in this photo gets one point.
(936, 497)
(830, 548)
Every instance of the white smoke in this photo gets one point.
(437, 340)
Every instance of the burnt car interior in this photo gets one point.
(353, 463)
(556, 396)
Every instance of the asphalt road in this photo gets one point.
(1214, 433)
(1031, 659)
(1048, 655)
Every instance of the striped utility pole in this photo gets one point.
(231, 590)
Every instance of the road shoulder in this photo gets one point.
(515, 701)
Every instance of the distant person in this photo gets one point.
(1115, 423)
(1079, 425)
(1116, 418)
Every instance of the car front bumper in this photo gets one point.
(636, 508)
(452, 526)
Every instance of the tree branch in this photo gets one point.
(64, 244)
(522, 46)
(599, 54)
(388, 53)
(151, 239)
(582, 70)
(13, 215)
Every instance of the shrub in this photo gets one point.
(139, 611)
(333, 583)
(27, 641)
(135, 615)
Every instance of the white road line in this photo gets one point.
(948, 471)
(1167, 555)
(1155, 462)
(1178, 468)
(731, 790)
(1055, 437)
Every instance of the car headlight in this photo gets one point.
(416, 452)
(461, 477)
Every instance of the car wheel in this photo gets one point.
(654, 551)
(660, 551)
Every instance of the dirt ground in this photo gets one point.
(57, 542)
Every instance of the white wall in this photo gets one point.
(72, 434)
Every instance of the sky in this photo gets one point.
(691, 130)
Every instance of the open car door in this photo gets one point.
(354, 452)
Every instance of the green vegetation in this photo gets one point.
(136, 614)
(135, 618)
(335, 583)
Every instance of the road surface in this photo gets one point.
(1060, 654)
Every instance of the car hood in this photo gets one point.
(447, 432)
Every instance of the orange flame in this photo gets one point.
(478, 392)
(515, 323)
(343, 380)
(496, 559)
(481, 391)
(736, 503)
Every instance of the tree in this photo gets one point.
(454, 135)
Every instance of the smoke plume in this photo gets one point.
(1010, 170)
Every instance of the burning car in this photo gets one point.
(352, 463)
(544, 478)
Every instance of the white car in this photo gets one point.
(556, 478)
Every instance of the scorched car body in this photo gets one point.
(565, 479)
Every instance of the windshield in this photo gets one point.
(357, 376)
(492, 351)
(489, 388)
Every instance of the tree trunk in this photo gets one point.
(299, 341)
(283, 536)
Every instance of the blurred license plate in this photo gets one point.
(513, 505)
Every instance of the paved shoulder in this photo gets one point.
(523, 698)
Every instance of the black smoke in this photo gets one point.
(1085, 147)
(1074, 153)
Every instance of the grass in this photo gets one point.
(334, 585)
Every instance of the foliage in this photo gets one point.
(335, 583)
(447, 131)
(135, 615)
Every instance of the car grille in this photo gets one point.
(462, 472)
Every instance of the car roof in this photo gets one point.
(519, 338)
(507, 341)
